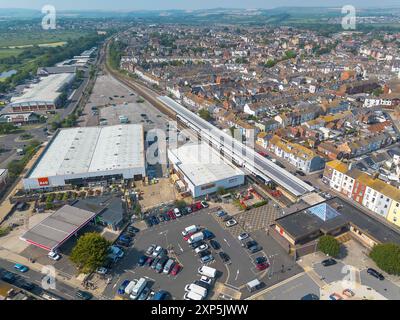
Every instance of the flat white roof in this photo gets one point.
(202, 165)
(92, 149)
(47, 90)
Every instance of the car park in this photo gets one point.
(243, 236)
(375, 274)
(21, 268)
(231, 223)
(215, 244)
(328, 262)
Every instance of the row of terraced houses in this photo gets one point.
(371, 192)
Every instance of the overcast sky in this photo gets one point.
(125, 5)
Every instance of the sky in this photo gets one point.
(126, 5)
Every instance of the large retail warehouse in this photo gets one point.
(79, 156)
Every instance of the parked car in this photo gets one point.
(160, 295)
(329, 262)
(83, 295)
(225, 257)
(157, 251)
(207, 258)
(243, 236)
(201, 248)
(148, 222)
(262, 266)
(375, 274)
(208, 235)
(102, 271)
(168, 266)
(255, 248)
(215, 244)
(144, 294)
(132, 230)
(177, 213)
(249, 244)
(231, 223)
(204, 253)
(226, 218)
(142, 261)
(160, 265)
(310, 296)
(259, 260)
(21, 268)
(221, 213)
(197, 244)
(121, 288)
(202, 284)
(204, 204)
(149, 261)
(155, 262)
(150, 249)
(300, 173)
(175, 270)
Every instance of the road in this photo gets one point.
(61, 290)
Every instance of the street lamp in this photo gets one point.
(272, 266)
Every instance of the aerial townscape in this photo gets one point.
(204, 154)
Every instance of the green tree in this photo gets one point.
(387, 257)
(90, 252)
(205, 114)
(180, 204)
(329, 245)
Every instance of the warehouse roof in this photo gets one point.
(47, 90)
(202, 165)
(92, 149)
(58, 228)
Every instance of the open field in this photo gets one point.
(42, 38)
(44, 45)
(8, 52)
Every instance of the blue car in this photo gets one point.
(160, 295)
(155, 220)
(21, 268)
(121, 289)
(141, 261)
(208, 235)
(125, 238)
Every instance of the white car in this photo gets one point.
(54, 256)
(102, 270)
(207, 280)
(177, 212)
(231, 223)
(157, 251)
(243, 236)
(202, 248)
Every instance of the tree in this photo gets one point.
(180, 204)
(205, 114)
(329, 245)
(90, 252)
(387, 257)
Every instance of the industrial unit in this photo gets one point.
(44, 95)
(202, 170)
(80, 156)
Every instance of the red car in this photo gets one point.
(175, 270)
(186, 238)
(262, 266)
(171, 214)
(196, 206)
(149, 261)
(262, 153)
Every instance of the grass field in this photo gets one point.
(4, 53)
(42, 37)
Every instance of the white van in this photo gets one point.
(130, 286)
(190, 229)
(196, 289)
(138, 288)
(192, 296)
(207, 271)
(196, 237)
